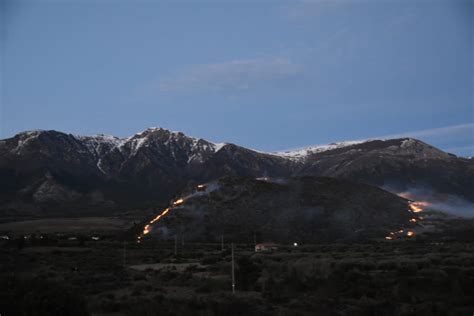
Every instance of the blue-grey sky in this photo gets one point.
(269, 75)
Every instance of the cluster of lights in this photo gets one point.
(413, 207)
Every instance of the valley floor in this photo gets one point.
(107, 277)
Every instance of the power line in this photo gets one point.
(233, 274)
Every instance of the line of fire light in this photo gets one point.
(147, 227)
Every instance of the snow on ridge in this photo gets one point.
(218, 146)
(299, 153)
(102, 138)
(33, 132)
(136, 143)
(138, 140)
(198, 146)
(196, 141)
(24, 139)
(100, 144)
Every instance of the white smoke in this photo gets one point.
(455, 205)
(446, 203)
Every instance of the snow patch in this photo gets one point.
(301, 153)
(136, 144)
(24, 139)
(218, 146)
(99, 167)
(407, 143)
(98, 143)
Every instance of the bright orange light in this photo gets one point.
(413, 220)
(388, 238)
(410, 233)
(178, 202)
(159, 216)
(415, 208)
(400, 231)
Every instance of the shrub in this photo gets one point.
(41, 297)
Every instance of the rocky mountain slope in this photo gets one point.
(396, 164)
(49, 172)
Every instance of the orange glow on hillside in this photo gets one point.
(147, 227)
(178, 202)
(405, 195)
(157, 218)
(146, 230)
(415, 208)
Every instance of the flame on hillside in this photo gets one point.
(147, 227)
(413, 207)
(200, 189)
(178, 202)
(419, 206)
(157, 218)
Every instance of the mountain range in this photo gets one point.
(49, 172)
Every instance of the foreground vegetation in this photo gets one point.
(106, 278)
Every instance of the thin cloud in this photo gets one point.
(464, 129)
(312, 8)
(235, 75)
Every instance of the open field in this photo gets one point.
(106, 278)
(83, 225)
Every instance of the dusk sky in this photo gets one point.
(269, 75)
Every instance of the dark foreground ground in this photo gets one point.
(81, 277)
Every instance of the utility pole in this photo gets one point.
(233, 274)
(175, 245)
(124, 253)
